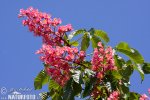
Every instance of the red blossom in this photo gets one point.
(143, 97)
(102, 60)
(114, 96)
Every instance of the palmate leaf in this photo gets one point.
(101, 34)
(138, 67)
(71, 90)
(146, 68)
(74, 43)
(133, 54)
(85, 42)
(41, 79)
(55, 90)
(95, 41)
(133, 96)
(75, 33)
(53, 85)
(88, 87)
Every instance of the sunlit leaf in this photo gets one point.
(74, 43)
(95, 41)
(133, 54)
(99, 33)
(40, 80)
(75, 33)
(85, 42)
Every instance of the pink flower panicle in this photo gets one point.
(143, 97)
(114, 96)
(60, 59)
(102, 60)
(53, 54)
(41, 24)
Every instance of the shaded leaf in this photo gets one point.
(133, 96)
(88, 87)
(146, 68)
(119, 62)
(116, 75)
(68, 91)
(77, 88)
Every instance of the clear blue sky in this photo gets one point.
(123, 20)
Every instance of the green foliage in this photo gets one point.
(133, 54)
(101, 34)
(146, 68)
(88, 86)
(41, 79)
(85, 42)
(74, 43)
(71, 89)
(95, 41)
(83, 80)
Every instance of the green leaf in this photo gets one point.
(88, 87)
(55, 90)
(146, 68)
(80, 31)
(40, 80)
(77, 88)
(127, 72)
(53, 85)
(138, 67)
(133, 96)
(74, 43)
(68, 91)
(124, 46)
(95, 41)
(85, 42)
(119, 62)
(102, 35)
(133, 54)
(75, 33)
(116, 75)
(125, 89)
(99, 33)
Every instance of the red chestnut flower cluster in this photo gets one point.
(69, 66)
(60, 59)
(103, 60)
(54, 54)
(41, 24)
(114, 96)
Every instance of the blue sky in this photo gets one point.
(123, 20)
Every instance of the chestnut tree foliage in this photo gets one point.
(71, 70)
